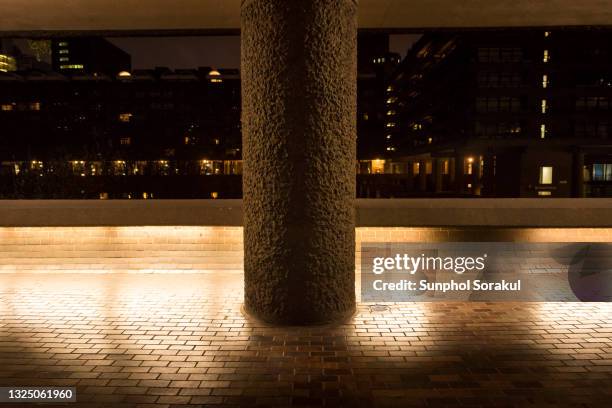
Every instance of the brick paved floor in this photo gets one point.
(181, 340)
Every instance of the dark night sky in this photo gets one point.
(192, 52)
(181, 52)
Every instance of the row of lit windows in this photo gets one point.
(125, 168)
(72, 66)
(382, 166)
(13, 106)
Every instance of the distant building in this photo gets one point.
(374, 65)
(509, 113)
(75, 55)
(140, 134)
(156, 133)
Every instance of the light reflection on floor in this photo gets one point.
(180, 339)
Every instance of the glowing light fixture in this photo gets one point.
(214, 76)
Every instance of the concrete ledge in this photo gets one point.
(491, 212)
(91, 213)
(523, 212)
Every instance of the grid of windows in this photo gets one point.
(496, 54)
(590, 103)
(499, 80)
(593, 129)
(497, 104)
(602, 172)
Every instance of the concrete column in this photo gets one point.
(410, 179)
(459, 174)
(476, 175)
(299, 79)
(438, 170)
(578, 170)
(422, 175)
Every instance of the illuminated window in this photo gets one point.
(390, 124)
(546, 56)
(429, 140)
(72, 66)
(119, 168)
(34, 106)
(186, 140)
(64, 51)
(544, 106)
(469, 166)
(63, 44)
(125, 117)
(445, 167)
(391, 113)
(378, 166)
(126, 141)
(428, 167)
(546, 33)
(391, 100)
(544, 81)
(7, 107)
(546, 175)
(388, 137)
(64, 59)
(602, 172)
(544, 193)
(542, 131)
(366, 116)
(390, 88)
(214, 195)
(416, 167)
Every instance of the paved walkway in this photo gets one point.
(180, 340)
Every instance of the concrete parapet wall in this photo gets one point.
(206, 235)
(519, 212)
(212, 248)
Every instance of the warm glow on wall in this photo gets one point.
(210, 248)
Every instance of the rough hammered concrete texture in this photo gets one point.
(299, 140)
